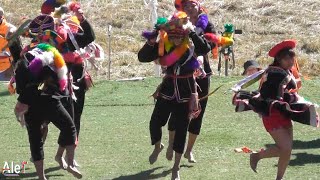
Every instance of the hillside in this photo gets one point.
(264, 23)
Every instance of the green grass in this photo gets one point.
(115, 143)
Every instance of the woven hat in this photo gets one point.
(41, 23)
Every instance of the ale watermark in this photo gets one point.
(11, 169)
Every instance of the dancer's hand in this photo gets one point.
(152, 42)
(20, 111)
(156, 92)
(194, 108)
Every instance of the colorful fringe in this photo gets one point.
(47, 55)
(176, 54)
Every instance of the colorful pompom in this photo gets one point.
(49, 56)
(35, 66)
(74, 6)
(63, 84)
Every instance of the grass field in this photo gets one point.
(115, 143)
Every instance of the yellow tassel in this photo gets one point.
(161, 42)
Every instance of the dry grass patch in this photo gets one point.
(264, 23)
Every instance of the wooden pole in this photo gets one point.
(109, 38)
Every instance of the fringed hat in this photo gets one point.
(285, 45)
(178, 4)
(41, 23)
(46, 55)
(175, 26)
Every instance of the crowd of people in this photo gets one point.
(50, 77)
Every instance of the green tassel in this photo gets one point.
(44, 47)
(160, 21)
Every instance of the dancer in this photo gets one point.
(278, 105)
(41, 78)
(177, 94)
(79, 36)
(199, 19)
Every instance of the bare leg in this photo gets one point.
(70, 158)
(268, 153)
(157, 149)
(169, 154)
(188, 154)
(39, 169)
(176, 167)
(59, 158)
(283, 139)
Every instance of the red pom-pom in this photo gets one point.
(74, 6)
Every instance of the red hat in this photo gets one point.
(286, 44)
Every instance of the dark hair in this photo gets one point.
(281, 54)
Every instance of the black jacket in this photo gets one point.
(171, 87)
(206, 65)
(83, 40)
(86, 38)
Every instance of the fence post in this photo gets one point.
(154, 16)
(109, 28)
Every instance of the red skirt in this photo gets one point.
(276, 120)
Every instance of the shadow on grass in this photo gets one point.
(4, 93)
(148, 174)
(314, 144)
(297, 144)
(49, 170)
(303, 158)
